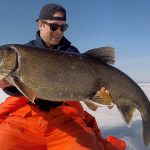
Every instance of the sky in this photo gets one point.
(122, 24)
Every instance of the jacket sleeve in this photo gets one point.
(12, 91)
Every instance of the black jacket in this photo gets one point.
(64, 45)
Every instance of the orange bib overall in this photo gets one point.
(68, 127)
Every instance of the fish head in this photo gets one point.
(8, 61)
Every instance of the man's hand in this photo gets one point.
(105, 93)
(103, 90)
(4, 83)
(101, 97)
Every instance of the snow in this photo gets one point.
(110, 122)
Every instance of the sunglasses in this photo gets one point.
(55, 26)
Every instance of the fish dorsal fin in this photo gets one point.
(105, 54)
(27, 92)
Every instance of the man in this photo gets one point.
(45, 124)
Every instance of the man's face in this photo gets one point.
(50, 36)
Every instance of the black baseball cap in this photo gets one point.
(48, 10)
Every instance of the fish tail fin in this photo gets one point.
(146, 130)
(127, 112)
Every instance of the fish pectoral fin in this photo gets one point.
(103, 98)
(105, 54)
(27, 92)
(90, 104)
(127, 112)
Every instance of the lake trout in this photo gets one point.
(61, 76)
